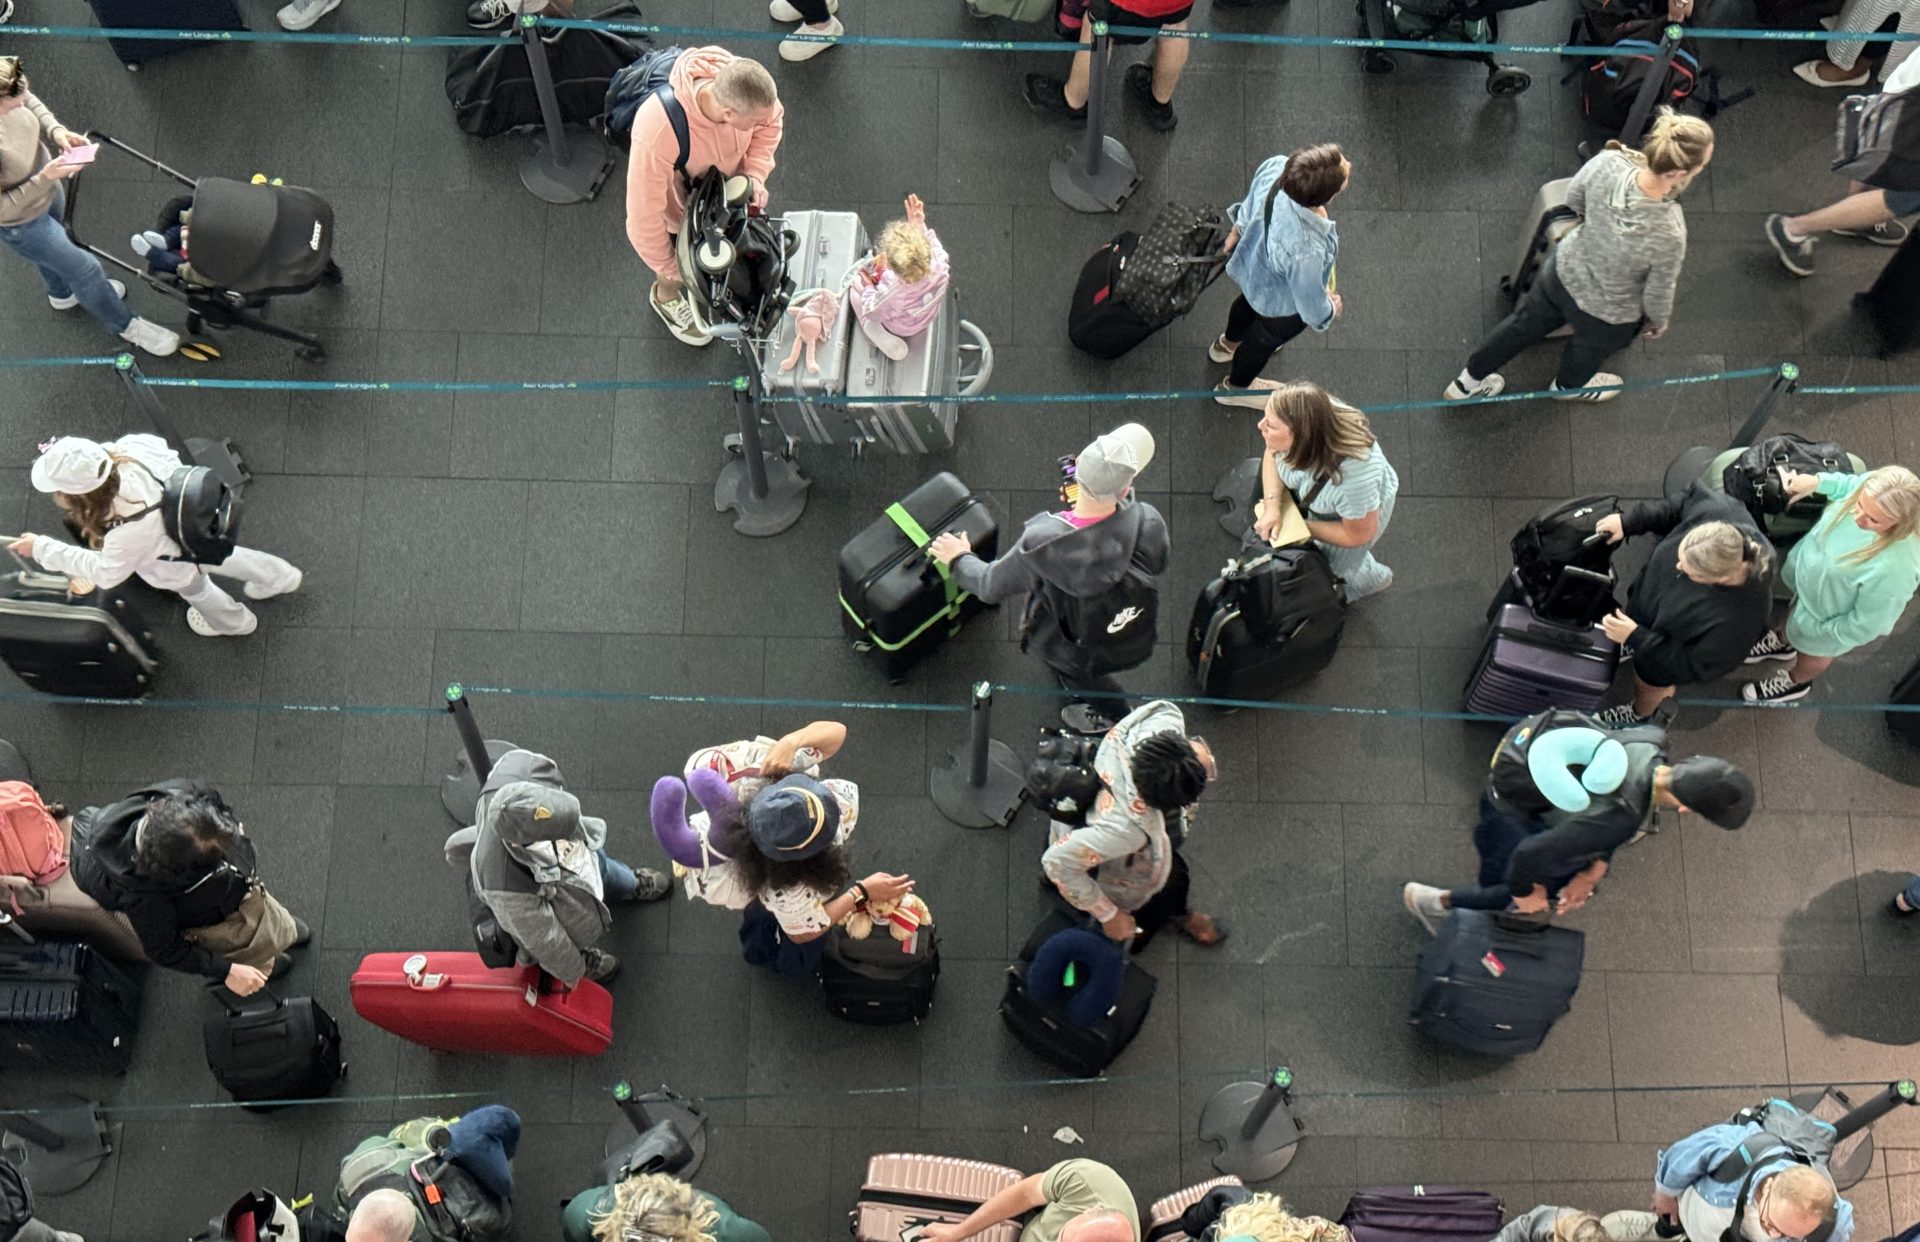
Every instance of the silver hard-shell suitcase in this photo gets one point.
(1548, 221)
(826, 246)
(950, 358)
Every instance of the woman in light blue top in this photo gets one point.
(1323, 451)
(1283, 247)
(1852, 576)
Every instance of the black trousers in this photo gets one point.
(1259, 338)
(1165, 906)
(814, 12)
(1096, 690)
(1545, 306)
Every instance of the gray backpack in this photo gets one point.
(1878, 140)
(1786, 1135)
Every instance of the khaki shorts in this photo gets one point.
(260, 930)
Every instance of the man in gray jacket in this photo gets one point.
(1087, 572)
(542, 868)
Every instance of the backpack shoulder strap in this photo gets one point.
(676, 117)
(1748, 1154)
(1266, 213)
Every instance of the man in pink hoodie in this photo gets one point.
(734, 121)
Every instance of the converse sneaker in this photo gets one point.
(73, 299)
(151, 337)
(1221, 350)
(1607, 385)
(1252, 397)
(1795, 255)
(1621, 717)
(680, 319)
(1778, 688)
(782, 11)
(806, 49)
(199, 625)
(1465, 386)
(1770, 647)
(302, 14)
(1423, 902)
(1885, 233)
(253, 590)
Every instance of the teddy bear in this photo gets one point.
(905, 918)
(814, 312)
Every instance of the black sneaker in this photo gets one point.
(1049, 95)
(491, 14)
(1081, 718)
(282, 963)
(302, 934)
(1140, 86)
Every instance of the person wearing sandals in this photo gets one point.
(1614, 275)
(1123, 866)
(1852, 576)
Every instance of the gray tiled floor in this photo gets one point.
(565, 541)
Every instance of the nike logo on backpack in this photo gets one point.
(1122, 619)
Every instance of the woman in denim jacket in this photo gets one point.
(1283, 247)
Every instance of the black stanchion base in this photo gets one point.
(1268, 1151)
(992, 805)
(761, 517)
(574, 178)
(460, 789)
(1686, 469)
(1237, 488)
(664, 1106)
(1107, 189)
(84, 1146)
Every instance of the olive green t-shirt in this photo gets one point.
(1076, 1186)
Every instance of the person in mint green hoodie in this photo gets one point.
(654, 1207)
(1852, 576)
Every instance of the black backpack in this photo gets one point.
(16, 1201)
(1611, 83)
(1061, 778)
(200, 513)
(1557, 539)
(267, 1055)
(645, 78)
(1175, 260)
(1753, 478)
(491, 88)
(1116, 628)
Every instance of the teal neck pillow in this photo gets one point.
(1553, 755)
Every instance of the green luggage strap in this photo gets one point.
(898, 514)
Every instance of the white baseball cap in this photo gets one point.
(1106, 468)
(71, 465)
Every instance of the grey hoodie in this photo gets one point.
(535, 865)
(1122, 857)
(1054, 558)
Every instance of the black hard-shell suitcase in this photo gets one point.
(1528, 664)
(92, 645)
(1422, 1214)
(266, 1048)
(875, 980)
(1906, 692)
(1266, 623)
(894, 600)
(1488, 986)
(163, 15)
(64, 1005)
(1098, 322)
(1082, 1051)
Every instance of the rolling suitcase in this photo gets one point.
(451, 1002)
(903, 1194)
(1043, 1025)
(894, 600)
(1098, 322)
(163, 15)
(1422, 1214)
(1489, 986)
(280, 1050)
(1527, 665)
(1906, 693)
(90, 646)
(62, 1004)
(1174, 1219)
(880, 981)
(826, 245)
(1548, 221)
(950, 358)
(1266, 623)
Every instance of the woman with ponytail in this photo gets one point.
(1699, 604)
(1852, 576)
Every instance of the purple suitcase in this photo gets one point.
(1422, 1214)
(1529, 665)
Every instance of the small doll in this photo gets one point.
(814, 312)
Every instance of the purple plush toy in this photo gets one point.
(711, 835)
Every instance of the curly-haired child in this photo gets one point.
(897, 292)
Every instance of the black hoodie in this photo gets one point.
(103, 867)
(1690, 632)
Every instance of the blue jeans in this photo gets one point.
(1495, 837)
(617, 879)
(1911, 893)
(67, 270)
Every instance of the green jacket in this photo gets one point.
(576, 1224)
(1839, 605)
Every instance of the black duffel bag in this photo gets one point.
(491, 88)
(1753, 478)
(1175, 260)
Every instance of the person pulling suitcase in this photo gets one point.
(1074, 1201)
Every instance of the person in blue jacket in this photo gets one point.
(1784, 1198)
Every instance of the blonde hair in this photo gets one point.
(1805, 1187)
(1893, 488)
(1265, 1218)
(655, 1207)
(908, 251)
(745, 85)
(1326, 431)
(1675, 143)
(1718, 550)
(1580, 1227)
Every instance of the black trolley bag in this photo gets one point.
(162, 15)
(1493, 985)
(877, 980)
(895, 600)
(1098, 322)
(91, 645)
(1267, 622)
(1045, 1027)
(64, 1005)
(284, 1049)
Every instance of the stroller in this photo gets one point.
(734, 263)
(1442, 21)
(230, 248)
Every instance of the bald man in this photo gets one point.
(1079, 1201)
(383, 1216)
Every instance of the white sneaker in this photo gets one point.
(782, 11)
(198, 624)
(301, 14)
(1253, 396)
(1220, 351)
(1492, 386)
(807, 49)
(1601, 379)
(151, 337)
(1423, 902)
(1630, 1226)
(680, 320)
(73, 299)
(254, 590)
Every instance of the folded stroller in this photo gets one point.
(1442, 21)
(242, 244)
(734, 263)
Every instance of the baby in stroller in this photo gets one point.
(165, 249)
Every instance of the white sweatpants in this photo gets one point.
(1865, 16)
(222, 611)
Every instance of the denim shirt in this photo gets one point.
(1686, 1165)
(1283, 269)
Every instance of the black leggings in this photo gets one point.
(1258, 337)
(813, 12)
(1544, 307)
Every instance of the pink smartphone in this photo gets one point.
(80, 155)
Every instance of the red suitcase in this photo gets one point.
(452, 1002)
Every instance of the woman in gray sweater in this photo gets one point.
(1613, 273)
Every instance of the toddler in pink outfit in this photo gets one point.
(897, 292)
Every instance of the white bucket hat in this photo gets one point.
(71, 465)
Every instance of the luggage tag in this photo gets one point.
(1494, 966)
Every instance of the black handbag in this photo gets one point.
(1754, 477)
(1175, 260)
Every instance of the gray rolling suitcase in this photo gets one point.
(1548, 221)
(826, 246)
(951, 358)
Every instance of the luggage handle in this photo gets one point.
(13, 925)
(221, 993)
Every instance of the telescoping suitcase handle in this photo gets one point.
(228, 999)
